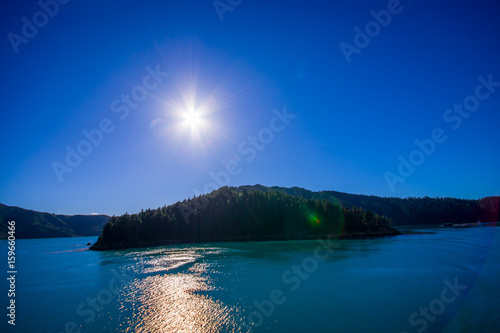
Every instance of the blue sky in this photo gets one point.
(267, 95)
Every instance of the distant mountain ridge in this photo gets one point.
(33, 224)
(407, 211)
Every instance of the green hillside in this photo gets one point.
(408, 211)
(237, 214)
(32, 224)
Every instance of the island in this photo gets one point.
(401, 211)
(241, 214)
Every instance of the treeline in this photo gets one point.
(33, 224)
(407, 211)
(231, 214)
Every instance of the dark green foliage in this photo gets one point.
(232, 214)
(409, 211)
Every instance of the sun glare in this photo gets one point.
(192, 118)
(194, 123)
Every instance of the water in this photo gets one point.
(358, 286)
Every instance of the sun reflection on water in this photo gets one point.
(176, 302)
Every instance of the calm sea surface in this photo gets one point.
(445, 281)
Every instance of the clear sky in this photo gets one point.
(115, 106)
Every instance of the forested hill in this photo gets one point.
(32, 224)
(408, 211)
(233, 214)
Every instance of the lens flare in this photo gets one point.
(159, 127)
(313, 219)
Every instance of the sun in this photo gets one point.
(192, 118)
(194, 123)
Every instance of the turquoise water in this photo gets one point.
(377, 285)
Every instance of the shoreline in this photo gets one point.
(270, 238)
